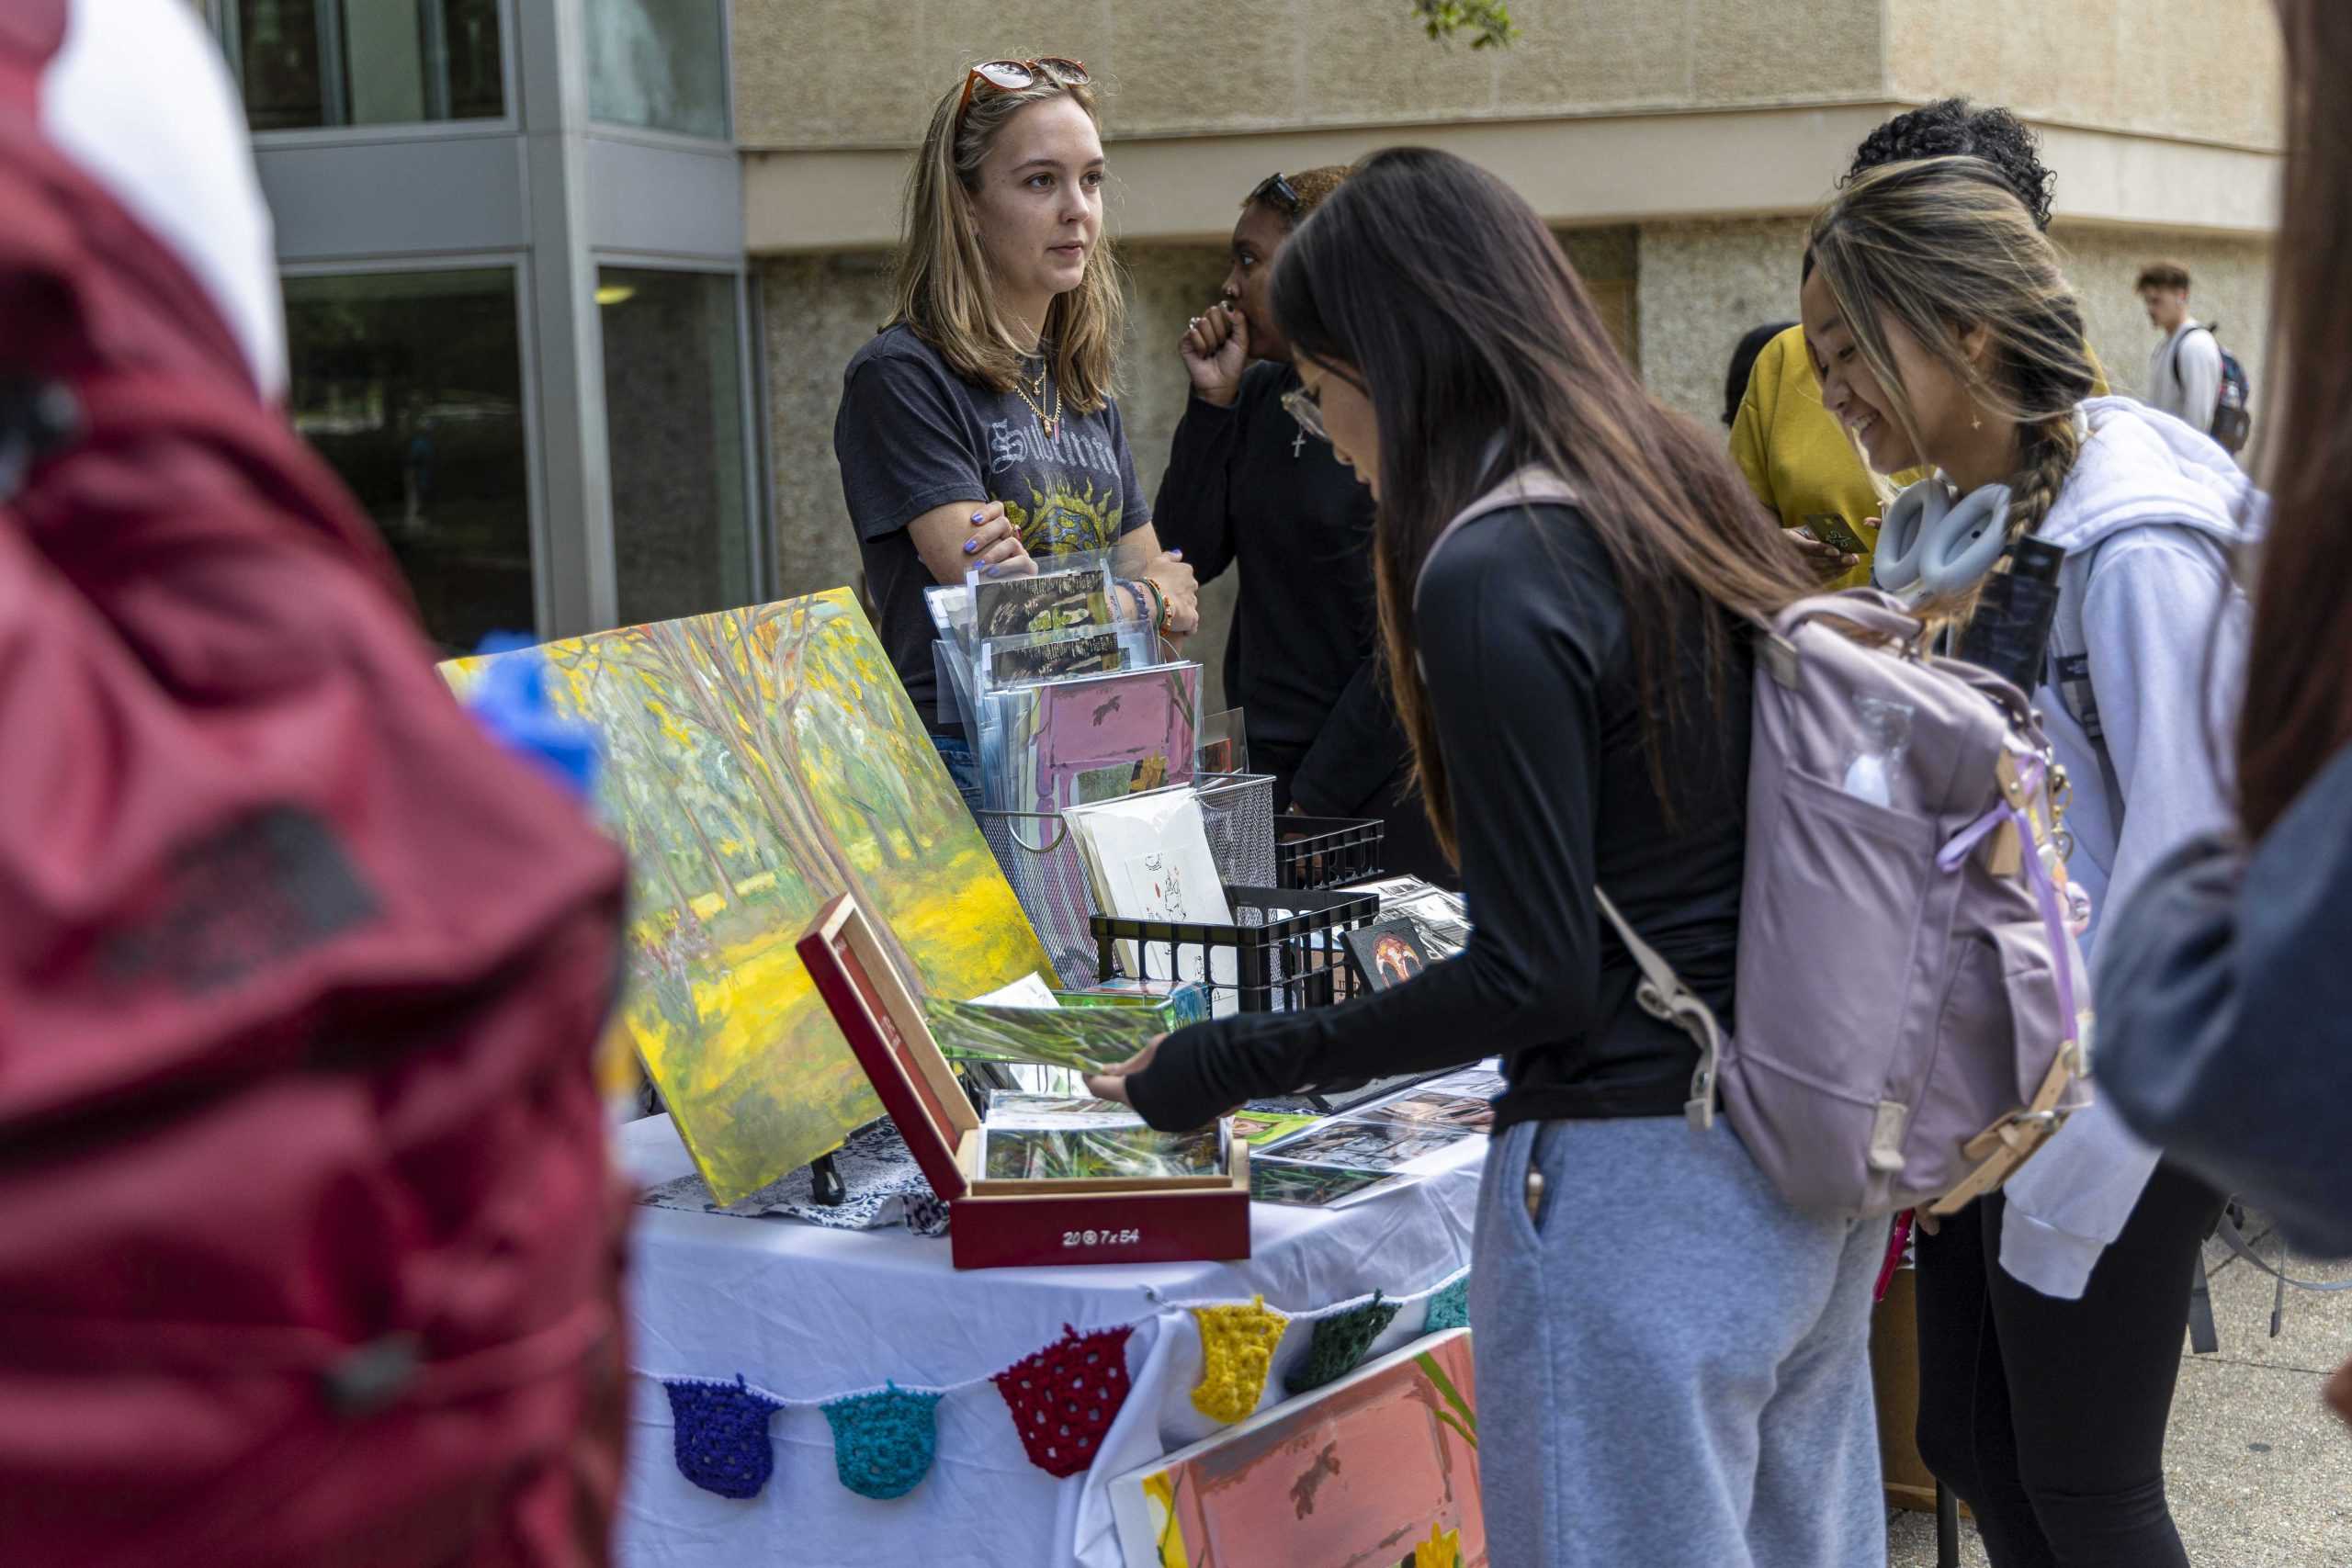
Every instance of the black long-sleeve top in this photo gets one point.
(1245, 484)
(1531, 677)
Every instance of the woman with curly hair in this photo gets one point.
(1798, 460)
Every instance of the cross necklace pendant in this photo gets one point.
(1297, 443)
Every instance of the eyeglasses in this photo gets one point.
(1278, 192)
(1015, 75)
(1302, 406)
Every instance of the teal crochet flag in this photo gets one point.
(883, 1443)
(1450, 1308)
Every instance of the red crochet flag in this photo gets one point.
(1064, 1397)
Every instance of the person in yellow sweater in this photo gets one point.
(1804, 465)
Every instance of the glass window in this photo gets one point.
(410, 384)
(659, 63)
(673, 421)
(306, 64)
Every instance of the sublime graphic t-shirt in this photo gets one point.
(911, 434)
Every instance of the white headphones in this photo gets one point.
(1934, 542)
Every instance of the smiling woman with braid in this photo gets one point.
(1944, 334)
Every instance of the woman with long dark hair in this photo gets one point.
(2224, 1002)
(1672, 1360)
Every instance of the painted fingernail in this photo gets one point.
(977, 518)
(1175, 555)
(971, 546)
(987, 572)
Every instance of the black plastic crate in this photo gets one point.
(1284, 943)
(1326, 852)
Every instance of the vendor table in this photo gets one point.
(808, 1312)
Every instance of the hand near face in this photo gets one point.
(1215, 348)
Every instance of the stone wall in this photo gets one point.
(1189, 67)
(2204, 70)
(1703, 284)
(2231, 288)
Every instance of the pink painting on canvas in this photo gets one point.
(1375, 1473)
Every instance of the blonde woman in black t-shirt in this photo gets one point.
(978, 428)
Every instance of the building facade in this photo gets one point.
(571, 282)
(518, 303)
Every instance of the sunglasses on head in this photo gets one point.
(1015, 75)
(1278, 193)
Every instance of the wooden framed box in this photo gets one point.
(1005, 1224)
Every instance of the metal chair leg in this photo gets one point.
(1947, 1527)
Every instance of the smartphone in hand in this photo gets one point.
(1830, 529)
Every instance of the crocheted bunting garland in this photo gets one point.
(721, 1435)
(1450, 1308)
(1341, 1341)
(883, 1443)
(1064, 1397)
(1236, 1350)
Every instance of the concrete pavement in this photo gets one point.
(2260, 1473)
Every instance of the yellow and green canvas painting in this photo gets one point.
(758, 763)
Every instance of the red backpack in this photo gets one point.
(308, 1243)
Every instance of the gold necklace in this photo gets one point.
(1050, 423)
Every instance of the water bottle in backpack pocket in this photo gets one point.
(1909, 803)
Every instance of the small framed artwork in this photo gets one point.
(1386, 954)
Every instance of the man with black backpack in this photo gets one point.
(2191, 375)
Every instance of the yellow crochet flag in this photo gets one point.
(1439, 1551)
(1236, 1351)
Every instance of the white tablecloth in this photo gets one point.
(808, 1313)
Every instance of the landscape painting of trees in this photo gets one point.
(758, 763)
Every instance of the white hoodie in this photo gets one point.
(2148, 518)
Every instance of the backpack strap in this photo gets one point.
(1532, 486)
(1664, 996)
(2180, 376)
(1661, 992)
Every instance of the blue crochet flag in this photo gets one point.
(722, 1436)
(883, 1443)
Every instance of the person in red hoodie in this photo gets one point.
(308, 1240)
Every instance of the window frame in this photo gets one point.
(221, 15)
(750, 399)
(518, 265)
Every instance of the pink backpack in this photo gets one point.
(1907, 805)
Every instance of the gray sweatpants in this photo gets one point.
(1673, 1364)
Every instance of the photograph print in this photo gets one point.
(1386, 954)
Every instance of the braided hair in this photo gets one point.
(1943, 246)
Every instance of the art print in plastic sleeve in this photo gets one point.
(1315, 1186)
(1093, 1154)
(1427, 1108)
(1066, 599)
(1369, 1146)
(1079, 1040)
(1051, 656)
